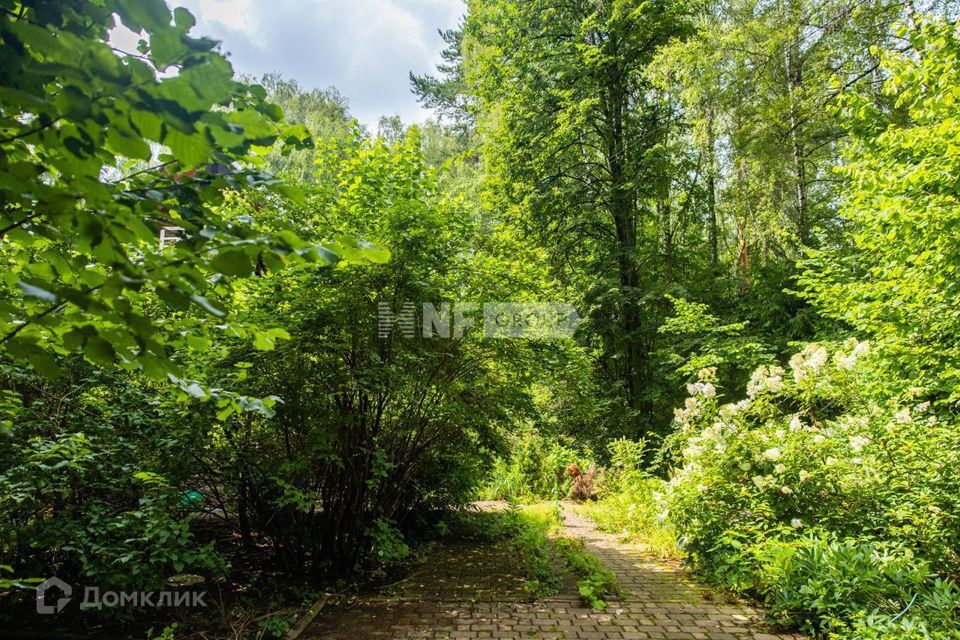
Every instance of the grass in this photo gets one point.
(527, 530)
(536, 533)
(596, 582)
(534, 526)
(633, 515)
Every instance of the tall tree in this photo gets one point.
(897, 282)
(448, 93)
(577, 142)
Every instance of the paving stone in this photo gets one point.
(475, 592)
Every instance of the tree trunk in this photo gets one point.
(623, 211)
(713, 230)
(794, 73)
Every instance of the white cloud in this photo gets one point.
(233, 14)
(365, 48)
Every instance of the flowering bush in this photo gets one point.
(816, 452)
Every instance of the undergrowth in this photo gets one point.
(535, 532)
(628, 503)
(526, 529)
(595, 582)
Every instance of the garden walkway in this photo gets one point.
(475, 591)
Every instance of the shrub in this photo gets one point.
(537, 467)
(820, 451)
(822, 585)
(88, 487)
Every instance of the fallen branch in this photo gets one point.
(307, 618)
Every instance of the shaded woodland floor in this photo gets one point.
(475, 590)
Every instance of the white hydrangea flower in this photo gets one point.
(780, 468)
(765, 378)
(923, 407)
(804, 475)
(857, 443)
(795, 424)
(818, 359)
(819, 438)
(862, 349)
(728, 412)
(693, 451)
(785, 490)
(772, 454)
(847, 361)
(796, 523)
(808, 362)
(903, 416)
(704, 389)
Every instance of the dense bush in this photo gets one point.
(92, 483)
(373, 428)
(823, 585)
(537, 466)
(819, 451)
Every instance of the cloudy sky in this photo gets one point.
(365, 48)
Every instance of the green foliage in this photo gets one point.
(701, 340)
(323, 113)
(663, 165)
(821, 450)
(824, 586)
(449, 94)
(897, 281)
(595, 580)
(580, 155)
(387, 542)
(167, 633)
(535, 469)
(99, 152)
(372, 428)
(630, 500)
(88, 489)
(534, 526)
(275, 626)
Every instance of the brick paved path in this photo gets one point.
(476, 591)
